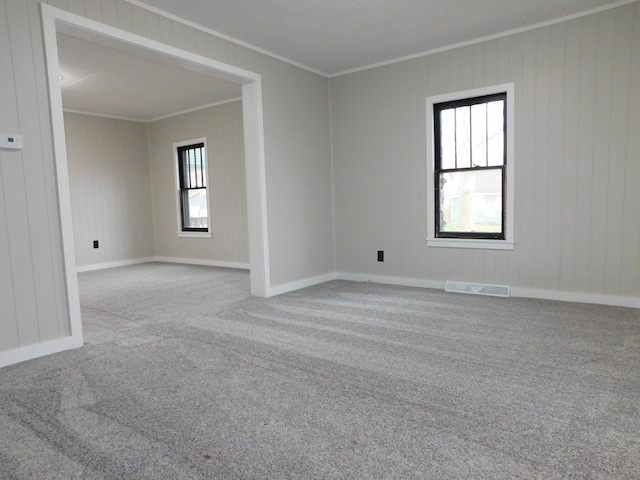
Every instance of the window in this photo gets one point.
(193, 198)
(471, 171)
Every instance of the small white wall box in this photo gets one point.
(11, 141)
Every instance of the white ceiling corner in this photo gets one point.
(329, 37)
(337, 36)
(104, 81)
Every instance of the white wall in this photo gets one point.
(298, 177)
(33, 306)
(296, 129)
(221, 125)
(577, 159)
(122, 183)
(297, 155)
(110, 184)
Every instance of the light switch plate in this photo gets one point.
(11, 141)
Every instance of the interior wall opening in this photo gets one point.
(57, 22)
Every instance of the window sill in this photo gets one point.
(470, 243)
(194, 234)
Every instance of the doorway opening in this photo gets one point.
(56, 21)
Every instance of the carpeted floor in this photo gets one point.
(185, 376)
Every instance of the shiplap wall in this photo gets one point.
(297, 150)
(110, 184)
(33, 307)
(296, 134)
(221, 125)
(577, 159)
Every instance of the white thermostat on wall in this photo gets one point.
(12, 141)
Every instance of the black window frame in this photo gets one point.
(186, 183)
(438, 170)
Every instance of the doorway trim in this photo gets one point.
(55, 20)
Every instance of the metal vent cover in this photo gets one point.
(478, 288)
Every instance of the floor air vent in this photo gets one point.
(477, 288)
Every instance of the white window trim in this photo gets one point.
(508, 243)
(180, 232)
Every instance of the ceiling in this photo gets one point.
(334, 36)
(326, 36)
(100, 80)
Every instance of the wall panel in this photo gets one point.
(34, 169)
(93, 9)
(8, 116)
(222, 126)
(576, 158)
(53, 241)
(110, 189)
(33, 307)
(631, 224)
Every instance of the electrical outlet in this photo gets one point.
(95, 244)
(381, 255)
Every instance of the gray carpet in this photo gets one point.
(185, 376)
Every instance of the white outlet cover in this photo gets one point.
(12, 141)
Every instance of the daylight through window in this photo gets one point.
(470, 167)
(192, 179)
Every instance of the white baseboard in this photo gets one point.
(577, 297)
(39, 350)
(600, 299)
(186, 261)
(200, 261)
(298, 284)
(384, 279)
(121, 263)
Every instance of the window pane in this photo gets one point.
(199, 170)
(196, 208)
(184, 178)
(194, 173)
(193, 169)
(495, 126)
(193, 164)
(447, 139)
(479, 135)
(471, 201)
(463, 137)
